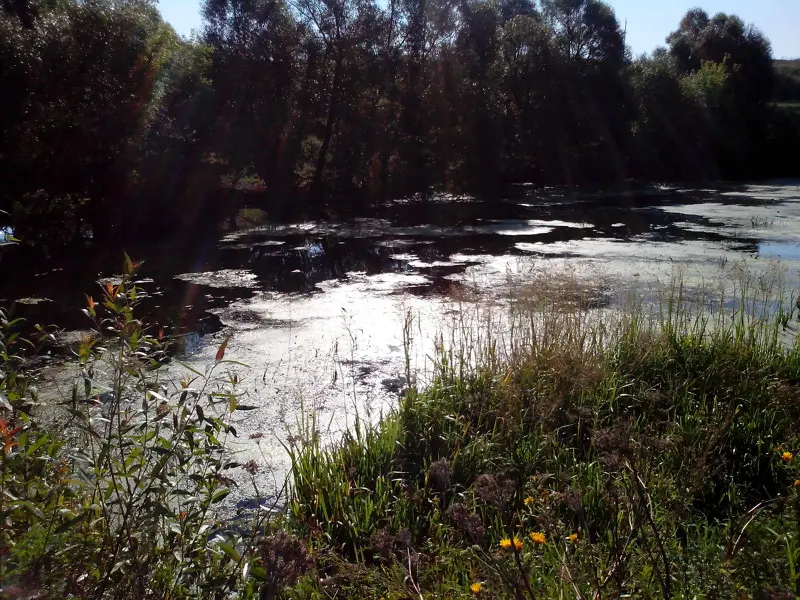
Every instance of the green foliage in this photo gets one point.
(635, 456)
(127, 503)
(726, 39)
(648, 453)
(113, 124)
(80, 87)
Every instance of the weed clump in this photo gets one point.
(285, 559)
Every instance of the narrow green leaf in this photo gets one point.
(230, 551)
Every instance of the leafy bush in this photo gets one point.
(126, 505)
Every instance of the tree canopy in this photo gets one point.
(111, 121)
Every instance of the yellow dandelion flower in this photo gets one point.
(528, 501)
(506, 544)
(476, 587)
(573, 538)
(517, 544)
(537, 537)
(787, 457)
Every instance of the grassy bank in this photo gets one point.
(560, 450)
(646, 454)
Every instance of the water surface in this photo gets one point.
(317, 308)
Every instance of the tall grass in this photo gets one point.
(649, 449)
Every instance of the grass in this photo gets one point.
(561, 449)
(627, 455)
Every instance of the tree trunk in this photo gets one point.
(333, 101)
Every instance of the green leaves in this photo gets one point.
(219, 496)
(229, 551)
(131, 502)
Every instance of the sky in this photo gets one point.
(648, 22)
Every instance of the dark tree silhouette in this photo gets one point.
(109, 119)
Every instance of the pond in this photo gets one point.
(317, 309)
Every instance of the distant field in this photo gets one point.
(788, 68)
(787, 85)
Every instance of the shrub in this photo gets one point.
(126, 503)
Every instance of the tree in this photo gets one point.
(586, 30)
(332, 21)
(479, 107)
(24, 10)
(517, 8)
(108, 117)
(593, 109)
(425, 119)
(175, 139)
(671, 129)
(530, 84)
(83, 77)
(254, 71)
(725, 39)
(703, 46)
